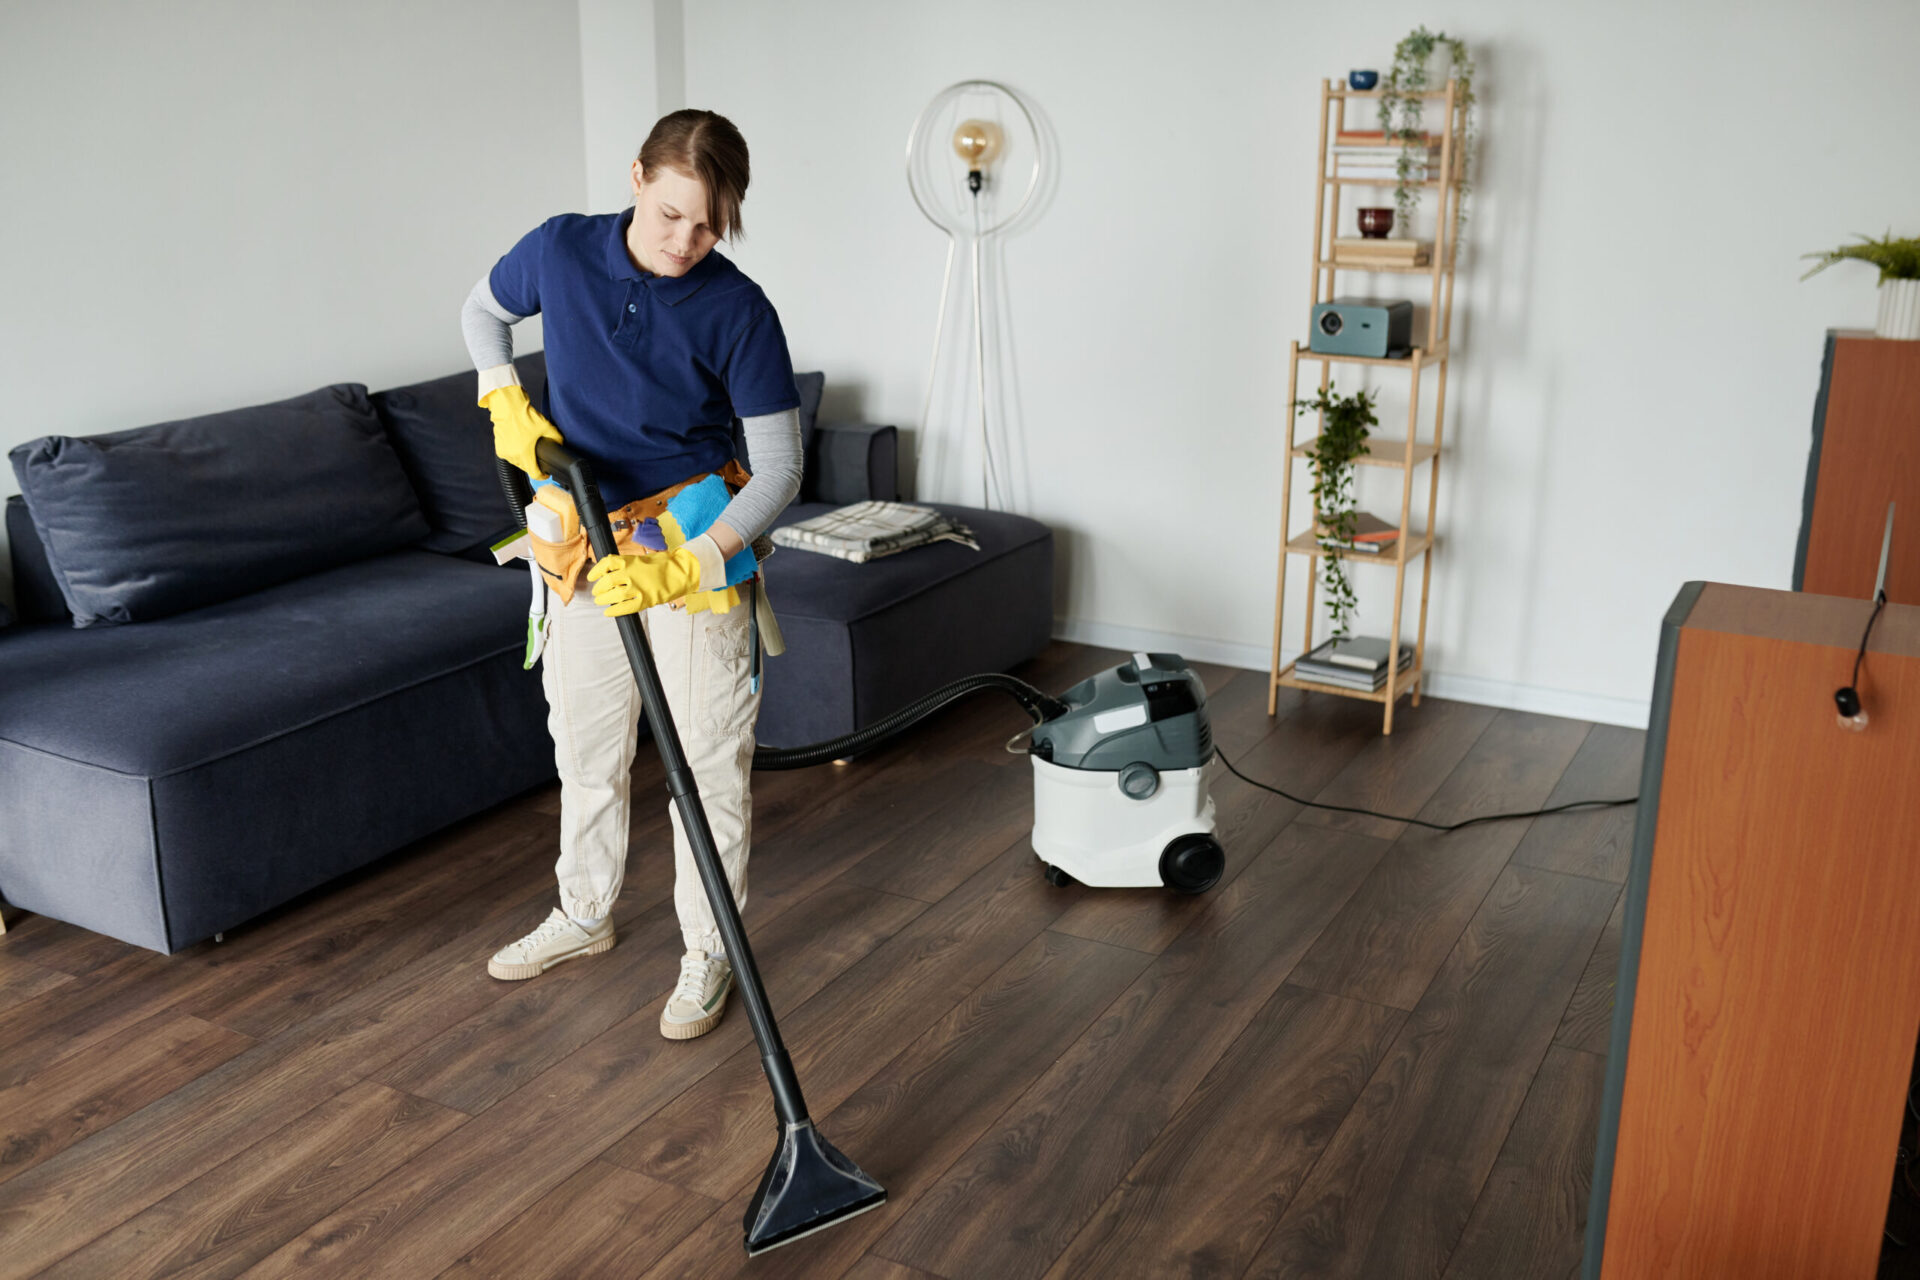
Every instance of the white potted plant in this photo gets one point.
(1899, 263)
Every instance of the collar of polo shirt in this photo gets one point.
(672, 290)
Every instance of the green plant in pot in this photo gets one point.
(1343, 437)
(1401, 110)
(1899, 263)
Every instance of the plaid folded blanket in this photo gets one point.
(868, 530)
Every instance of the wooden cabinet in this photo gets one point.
(1768, 998)
(1866, 453)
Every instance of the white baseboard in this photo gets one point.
(1598, 708)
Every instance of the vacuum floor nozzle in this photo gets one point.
(808, 1187)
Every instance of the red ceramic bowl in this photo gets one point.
(1375, 223)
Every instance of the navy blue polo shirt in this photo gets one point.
(645, 373)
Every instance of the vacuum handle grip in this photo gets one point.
(560, 460)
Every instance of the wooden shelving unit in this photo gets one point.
(1409, 453)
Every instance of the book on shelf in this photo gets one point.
(1372, 536)
(1318, 668)
(1373, 248)
(1362, 653)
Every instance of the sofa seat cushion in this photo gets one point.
(811, 584)
(167, 695)
(863, 640)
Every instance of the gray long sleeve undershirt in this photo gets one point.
(773, 440)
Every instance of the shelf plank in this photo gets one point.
(1374, 93)
(1381, 452)
(1384, 268)
(1408, 679)
(1377, 182)
(1412, 549)
(1431, 357)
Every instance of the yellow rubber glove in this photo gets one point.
(628, 584)
(517, 425)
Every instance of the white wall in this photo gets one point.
(1631, 403)
(211, 203)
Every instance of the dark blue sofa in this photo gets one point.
(171, 776)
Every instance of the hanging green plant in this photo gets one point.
(1343, 437)
(1401, 109)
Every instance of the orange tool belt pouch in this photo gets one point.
(561, 562)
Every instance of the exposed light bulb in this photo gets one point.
(978, 142)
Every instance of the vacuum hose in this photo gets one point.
(1041, 706)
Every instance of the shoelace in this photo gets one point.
(550, 928)
(693, 979)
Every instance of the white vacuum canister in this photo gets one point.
(1086, 825)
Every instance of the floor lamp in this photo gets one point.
(964, 140)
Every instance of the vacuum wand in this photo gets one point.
(809, 1184)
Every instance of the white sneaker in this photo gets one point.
(557, 939)
(697, 1002)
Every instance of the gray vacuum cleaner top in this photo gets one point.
(1150, 710)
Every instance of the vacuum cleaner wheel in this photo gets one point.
(1055, 876)
(1193, 863)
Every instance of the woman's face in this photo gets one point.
(670, 231)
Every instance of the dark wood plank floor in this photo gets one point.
(1373, 1050)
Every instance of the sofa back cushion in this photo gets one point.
(36, 596)
(154, 521)
(445, 441)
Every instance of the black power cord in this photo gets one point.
(1848, 699)
(1420, 822)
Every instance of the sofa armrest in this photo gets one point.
(853, 462)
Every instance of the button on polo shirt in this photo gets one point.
(645, 373)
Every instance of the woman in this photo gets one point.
(654, 344)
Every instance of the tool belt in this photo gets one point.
(562, 562)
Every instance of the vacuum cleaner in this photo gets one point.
(1120, 798)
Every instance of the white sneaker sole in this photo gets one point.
(517, 972)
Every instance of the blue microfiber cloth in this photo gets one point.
(694, 509)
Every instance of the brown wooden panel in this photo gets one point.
(224, 1222)
(1588, 1022)
(1397, 773)
(1777, 999)
(427, 1214)
(537, 1023)
(909, 1123)
(1204, 1196)
(1591, 842)
(603, 1221)
(1020, 1194)
(711, 1138)
(1530, 1221)
(114, 1078)
(1388, 942)
(1869, 456)
(22, 981)
(1398, 1183)
(95, 1184)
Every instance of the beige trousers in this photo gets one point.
(593, 712)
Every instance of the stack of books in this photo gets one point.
(1364, 251)
(1372, 536)
(1369, 155)
(1357, 663)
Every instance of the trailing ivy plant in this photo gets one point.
(1897, 259)
(1343, 437)
(1400, 115)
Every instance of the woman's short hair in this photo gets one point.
(703, 145)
